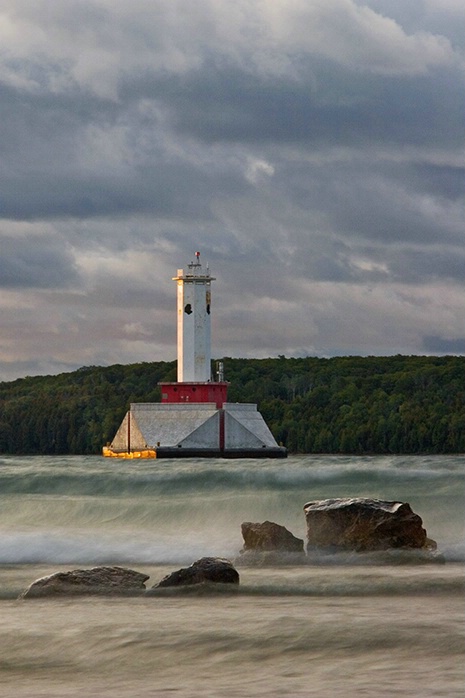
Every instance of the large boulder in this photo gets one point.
(207, 570)
(95, 581)
(361, 525)
(270, 543)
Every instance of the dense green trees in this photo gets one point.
(397, 404)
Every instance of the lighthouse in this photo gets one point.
(194, 324)
(194, 418)
(195, 383)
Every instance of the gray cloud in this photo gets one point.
(441, 345)
(311, 151)
(327, 106)
(36, 263)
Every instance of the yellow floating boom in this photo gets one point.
(146, 453)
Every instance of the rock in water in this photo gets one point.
(363, 525)
(270, 536)
(206, 570)
(96, 581)
(269, 543)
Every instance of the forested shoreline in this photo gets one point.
(353, 405)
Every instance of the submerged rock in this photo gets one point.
(362, 525)
(270, 543)
(95, 581)
(207, 570)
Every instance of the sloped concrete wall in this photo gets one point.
(177, 424)
(244, 427)
(207, 435)
(137, 439)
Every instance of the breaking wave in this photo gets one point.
(93, 510)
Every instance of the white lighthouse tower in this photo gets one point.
(194, 333)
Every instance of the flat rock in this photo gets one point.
(207, 570)
(95, 581)
(361, 524)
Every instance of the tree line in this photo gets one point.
(353, 405)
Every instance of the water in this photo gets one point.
(333, 630)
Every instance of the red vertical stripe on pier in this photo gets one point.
(221, 430)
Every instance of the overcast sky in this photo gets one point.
(311, 150)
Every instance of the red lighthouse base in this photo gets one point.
(195, 392)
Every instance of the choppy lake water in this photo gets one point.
(332, 630)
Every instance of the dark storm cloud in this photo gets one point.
(423, 266)
(444, 181)
(43, 173)
(219, 101)
(28, 262)
(167, 191)
(382, 206)
(364, 199)
(328, 104)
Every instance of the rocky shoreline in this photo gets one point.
(349, 531)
